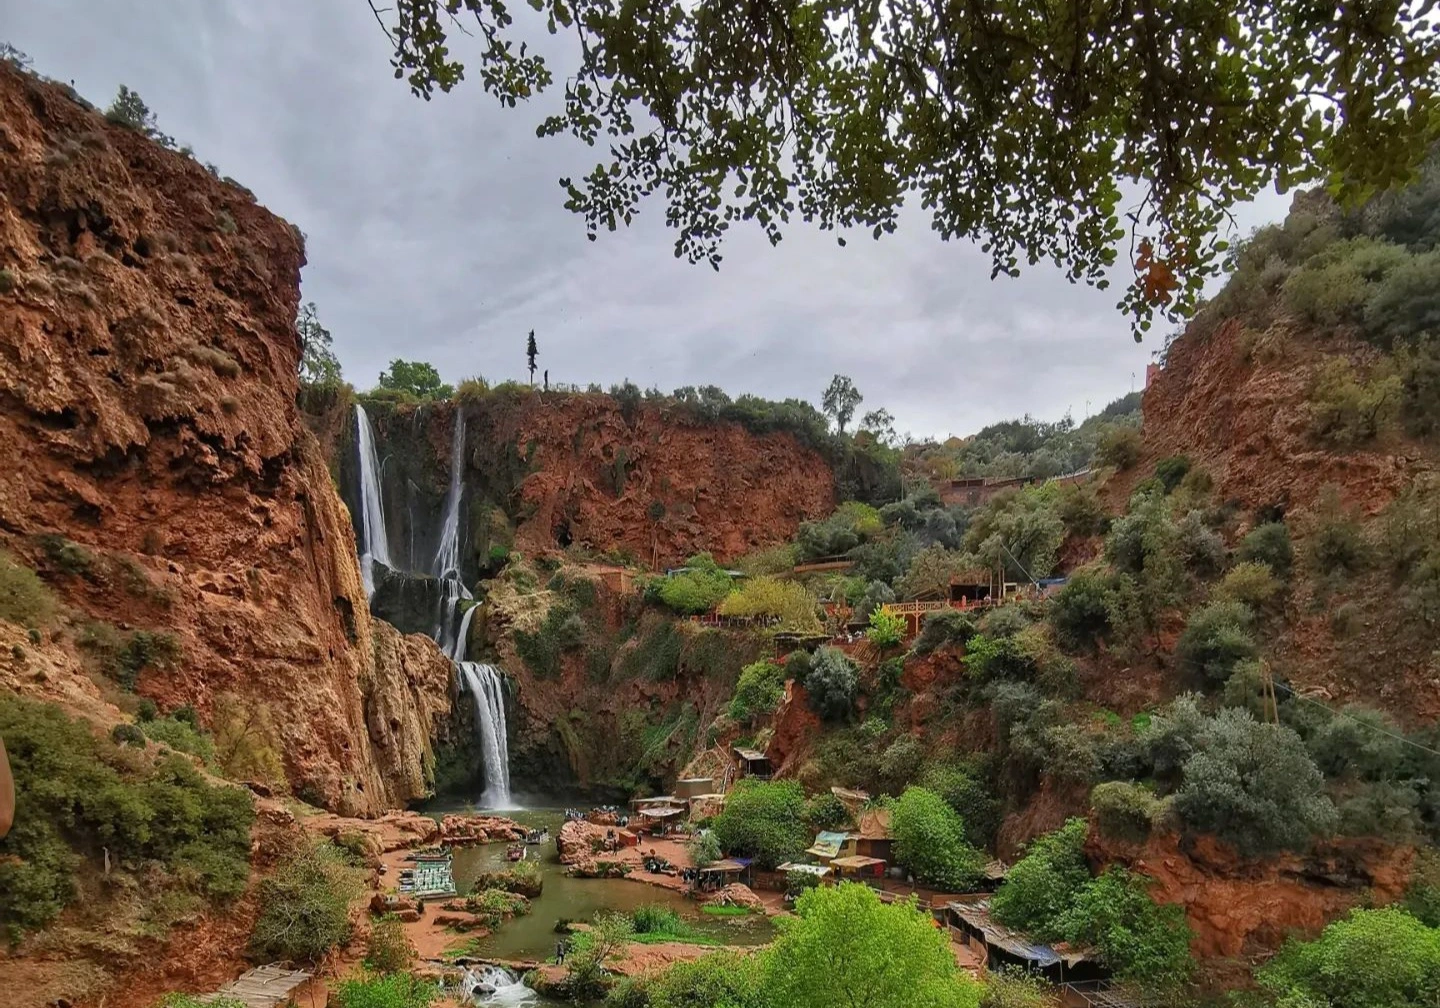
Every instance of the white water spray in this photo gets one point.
(491, 985)
(373, 536)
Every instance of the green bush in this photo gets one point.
(831, 684)
(1336, 546)
(1254, 786)
(1405, 305)
(1371, 959)
(726, 978)
(704, 849)
(764, 820)
(543, 651)
(886, 629)
(386, 990)
(1139, 940)
(698, 589)
(305, 904)
(1331, 289)
(1422, 893)
(1080, 610)
(24, 599)
(1012, 987)
(1201, 549)
(1043, 885)
(942, 629)
(1119, 446)
(180, 735)
(1125, 811)
(1269, 543)
(1418, 368)
(389, 949)
(900, 763)
(1217, 637)
(76, 793)
(127, 734)
(1080, 509)
(930, 841)
(758, 691)
(1170, 471)
(965, 791)
(1251, 584)
(825, 812)
(1346, 409)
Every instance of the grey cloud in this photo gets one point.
(436, 232)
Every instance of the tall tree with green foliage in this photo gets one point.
(1043, 884)
(930, 841)
(531, 352)
(845, 947)
(1084, 136)
(416, 378)
(764, 820)
(129, 110)
(318, 363)
(840, 399)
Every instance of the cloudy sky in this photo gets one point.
(436, 232)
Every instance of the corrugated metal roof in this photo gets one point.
(749, 755)
(977, 915)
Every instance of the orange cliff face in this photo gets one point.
(148, 364)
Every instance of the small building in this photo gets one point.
(751, 763)
(692, 787)
(828, 845)
(871, 835)
(971, 924)
(858, 867)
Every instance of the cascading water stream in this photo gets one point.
(491, 985)
(451, 631)
(373, 537)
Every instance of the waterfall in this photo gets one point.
(451, 631)
(372, 507)
(492, 985)
(487, 688)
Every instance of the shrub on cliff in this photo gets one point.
(1371, 959)
(1139, 940)
(1254, 786)
(696, 589)
(1269, 544)
(1119, 446)
(180, 735)
(942, 629)
(389, 949)
(930, 841)
(788, 603)
(964, 789)
(758, 691)
(764, 820)
(1012, 987)
(1216, 639)
(1125, 810)
(1043, 884)
(831, 684)
(415, 378)
(305, 904)
(562, 631)
(76, 793)
(24, 598)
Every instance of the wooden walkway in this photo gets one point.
(262, 987)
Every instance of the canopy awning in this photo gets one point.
(819, 871)
(856, 861)
(661, 813)
(656, 800)
(726, 867)
(750, 755)
(827, 845)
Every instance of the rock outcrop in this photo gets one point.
(157, 472)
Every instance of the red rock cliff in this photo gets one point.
(147, 385)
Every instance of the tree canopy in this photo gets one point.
(318, 363)
(415, 377)
(845, 947)
(1077, 133)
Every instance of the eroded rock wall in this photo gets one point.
(147, 384)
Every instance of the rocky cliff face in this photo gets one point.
(547, 471)
(157, 472)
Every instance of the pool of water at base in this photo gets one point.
(533, 936)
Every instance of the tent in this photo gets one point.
(827, 845)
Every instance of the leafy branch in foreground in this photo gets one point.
(1020, 125)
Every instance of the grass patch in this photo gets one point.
(725, 911)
